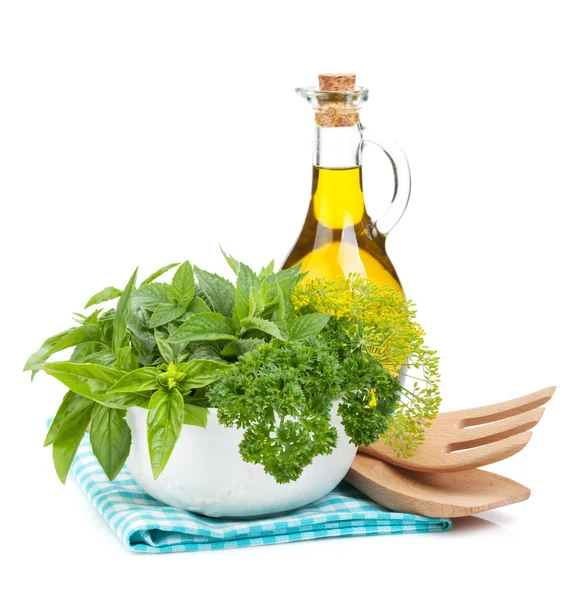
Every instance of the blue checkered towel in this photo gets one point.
(146, 525)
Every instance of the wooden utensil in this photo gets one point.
(445, 495)
(465, 439)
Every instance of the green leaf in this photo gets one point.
(207, 351)
(61, 341)
(140, 380)
(70, 403)
(99, 357)
(158, 273)
(108, 293)
(120, 332)
(138, 326)
(183, 284)
(110, 438)
(203, 327)
(126, 360)
(200, 373)
(217, 292)
(149, 296)
(164, 313)
(308, 325)
(198, 305)
(68, 438)
(266, 271)
(240, 347)
(262, 325)
(246, 282)
(195, 415)
(232, 262)
(165, 349)
(93, 381)
(165, 419)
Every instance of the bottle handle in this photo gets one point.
(402, 189)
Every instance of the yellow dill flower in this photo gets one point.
(380, 322)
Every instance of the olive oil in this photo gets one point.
(338, 237)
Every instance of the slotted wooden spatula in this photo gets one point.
(470, 438)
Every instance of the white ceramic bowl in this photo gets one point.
(205, 473)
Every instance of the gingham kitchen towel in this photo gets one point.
(146, 525)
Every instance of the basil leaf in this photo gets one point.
(164, 424)
(120, 332)
(70, 403)
(247, 280)
(200, 373)
(99, 357)
(183, 284)
(141, 380)
(110, 438)
(158, 273)
(108, 293)
(165, 349)
(125, 359)
(61, 341)
(164, 313)
(149, 296)
(203, 327)
(216, 291)
(68, 438)
(195, 415)
(262, 325)
(308, 325)
(91, 381)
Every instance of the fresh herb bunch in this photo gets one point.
(380, 323)
(158, 349)
(264, 352)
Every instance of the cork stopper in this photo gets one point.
(337, 82)
(337, 110)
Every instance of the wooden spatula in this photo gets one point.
(445, 495)
(474, 437)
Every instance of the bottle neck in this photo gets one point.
(338, 147)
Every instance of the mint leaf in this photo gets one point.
(240, 347)
(246, 282)
(149, 296)
(262, 325)
(218, 293)
(120, 331)
(308, 325)
(198, 305)
(140, 380)
(232, 262)
(266, 271)
(203, 327)
(110, 438)
(183, 284)
(195, 415)
(108, 293)
(164, 424)
(164, 313)
(158, 273)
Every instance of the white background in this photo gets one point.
(150, 132)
